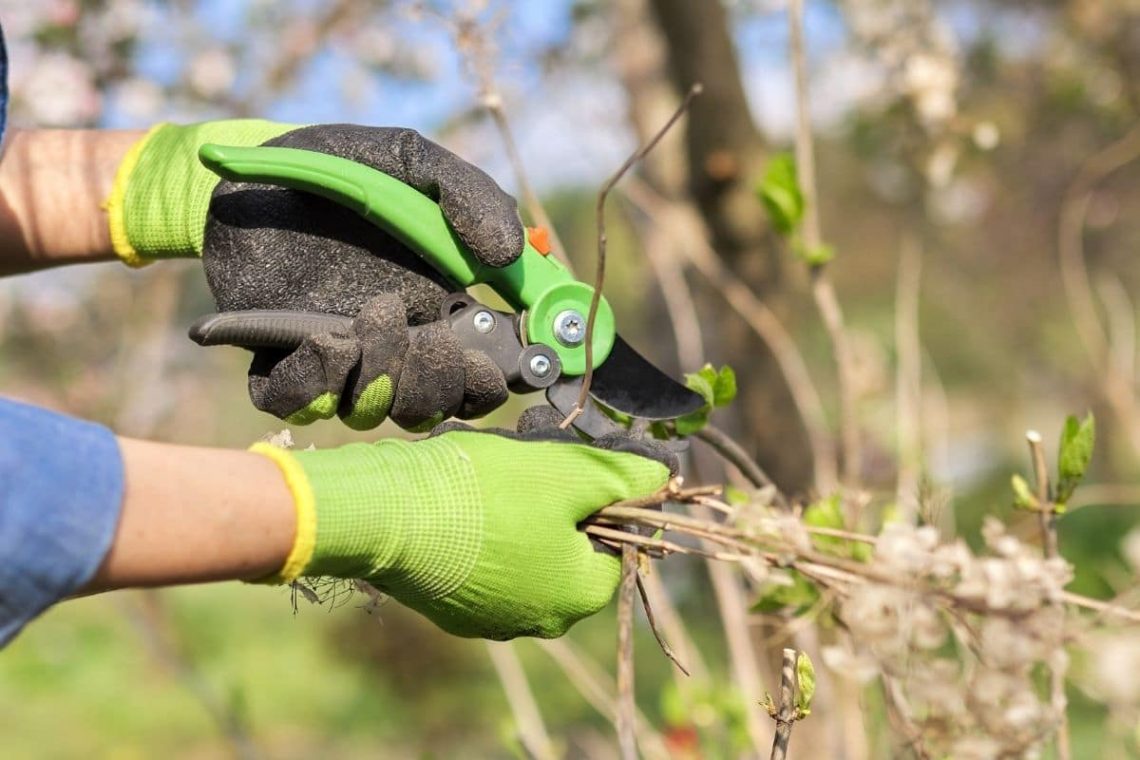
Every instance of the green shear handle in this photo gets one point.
(554, 303)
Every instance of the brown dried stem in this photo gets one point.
(1047, 514)
(661, 642)
(590, 681)
(785, 714)
(1046, 511)
(474, 39)
(1118, 387)
(600, 271)
(532, 733)
(735, 455)
(160, 634)
(822, 288)
(908, 379)
(626, 703)
(827, 569)
(683, 223)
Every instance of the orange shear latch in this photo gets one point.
(539, 239)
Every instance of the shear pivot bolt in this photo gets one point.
(570, 328)
(540, 365)
(484, 322)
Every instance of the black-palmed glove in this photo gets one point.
(273, 248)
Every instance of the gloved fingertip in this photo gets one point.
(451, 426)
(371, 405)
(642, 447)
(380, 313)
(484, 386)
(543, 417)
(323, 407)
(424, 426)
(498, 242)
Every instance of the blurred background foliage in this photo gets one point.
(962, 129)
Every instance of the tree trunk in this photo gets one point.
(723, 158)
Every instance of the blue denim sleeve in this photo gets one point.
(3, 85)
(61, 491)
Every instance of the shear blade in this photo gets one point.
(626, 382)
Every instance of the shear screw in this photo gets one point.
(570, 328)
(540, 365)
(484, 322)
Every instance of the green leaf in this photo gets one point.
(716, 387)
(1074, 454)
(828, 513)
(799, 595)
(1076, 448)
(703, 382)
(805, 684)
(816, 256)
(1023, 496)
(724, 387)
(692, 422)
(737, 497)
(780, 193)
(825, 513)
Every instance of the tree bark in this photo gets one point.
(723, 157)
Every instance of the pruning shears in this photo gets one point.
(538, 346)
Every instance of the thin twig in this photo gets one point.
(674, 629)
(532, 731)
(661, 642)
(161, 636)
(822, 288)
(908, 379)
(1047, 514)
(732, 603)
(474, 39)
(1120, 318)
(825, 568)
(600, 271)
(715, 505)
(660, 547)
(785, 713)
(626, 702)
(1105, 609)
(846, 535)
(724, 445)
(684, 223)
(1118, 388)
(660, 250)
(493, 102)
(1070, 230)
(591, 682)
(1045, 509)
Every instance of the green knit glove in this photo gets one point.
(157, 208)
(476, 531)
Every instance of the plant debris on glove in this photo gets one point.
(269, 247)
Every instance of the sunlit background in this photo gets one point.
(962, 134)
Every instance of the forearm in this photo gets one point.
(192, 515)
(52, 187)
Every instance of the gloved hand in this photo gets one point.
(475, 530)
(267, 247)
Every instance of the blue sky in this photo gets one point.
(571, 128)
